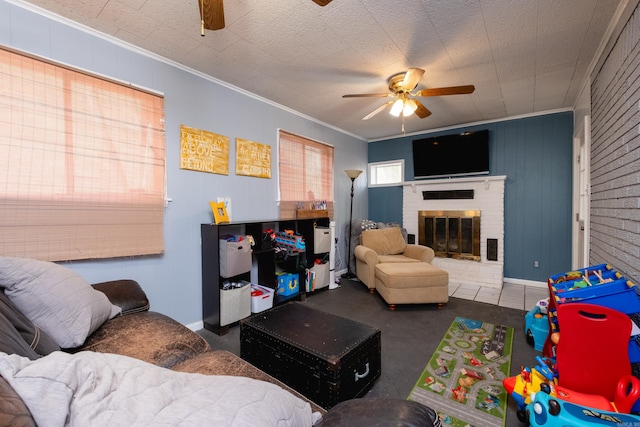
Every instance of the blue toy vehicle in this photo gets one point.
(545, 410)
(536, 326)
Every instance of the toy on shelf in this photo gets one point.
(293, 243)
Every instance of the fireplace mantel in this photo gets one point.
(488, 198)
(485, 180)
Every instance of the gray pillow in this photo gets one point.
(55, 299)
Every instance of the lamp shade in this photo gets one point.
(353, 173)
(396, 108)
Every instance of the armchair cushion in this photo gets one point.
(384, 241)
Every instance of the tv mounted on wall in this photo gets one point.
(451, 155)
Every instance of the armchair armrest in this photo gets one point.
(366, 260)
(366, 255)
(126, 294)
(419, 252)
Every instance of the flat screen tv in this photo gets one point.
(451, 155)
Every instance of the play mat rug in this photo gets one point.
(463, 379)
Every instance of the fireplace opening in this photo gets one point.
(451, 234)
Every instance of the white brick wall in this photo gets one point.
(488, 199)
(615, 154)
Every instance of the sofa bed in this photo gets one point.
(78, 354)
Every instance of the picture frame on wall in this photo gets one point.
(219, 210)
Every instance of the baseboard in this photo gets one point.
(195, 326)
(524, 282)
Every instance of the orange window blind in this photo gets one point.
(82, 163)
(305, 173)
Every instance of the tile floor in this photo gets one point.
(513, 296)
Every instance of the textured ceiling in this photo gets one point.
(523, 56)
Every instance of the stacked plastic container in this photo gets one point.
(598, 284)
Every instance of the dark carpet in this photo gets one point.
(410, 334)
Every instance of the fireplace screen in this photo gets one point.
(451, 234)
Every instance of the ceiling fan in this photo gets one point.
(401, 86)
(212, 14)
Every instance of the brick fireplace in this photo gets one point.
(436, 210)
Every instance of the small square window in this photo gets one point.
(386, 173)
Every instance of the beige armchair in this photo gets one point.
(385, 245)
(400, 273)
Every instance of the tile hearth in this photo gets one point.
(521, 297)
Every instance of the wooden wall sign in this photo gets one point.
(253, 159)
(203, 151)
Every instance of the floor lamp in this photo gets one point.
(352, 174)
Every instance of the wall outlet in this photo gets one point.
(536, 264)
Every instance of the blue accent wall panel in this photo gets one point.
(535, 154)
(387, 206)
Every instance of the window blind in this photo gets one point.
(82, 164)
(305, 173)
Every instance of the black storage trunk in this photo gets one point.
(325, 357)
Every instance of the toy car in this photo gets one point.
(536, 326)
(548, 411)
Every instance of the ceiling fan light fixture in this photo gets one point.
(409, 108)
(397, 107)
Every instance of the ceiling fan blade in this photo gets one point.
(366, 95)
(322, 2)
(212, 14)
(451, 90)
(421, 111)
(377, 110)
(411, 78)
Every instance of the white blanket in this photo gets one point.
(97, 389)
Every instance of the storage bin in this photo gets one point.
(564, 277)
(235, 257)
(235, 304)
(261, 298)
(319, 274)
(593, 280)
(288, 284)
(619, 295)
(321, 240)
(312, 213)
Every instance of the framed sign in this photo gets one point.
(220, 214)
(203, 151)
(253, 159)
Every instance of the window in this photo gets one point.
(305, 173)
(386, 173)
(81, 164)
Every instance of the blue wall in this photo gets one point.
(535, 154)
(173, 280)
